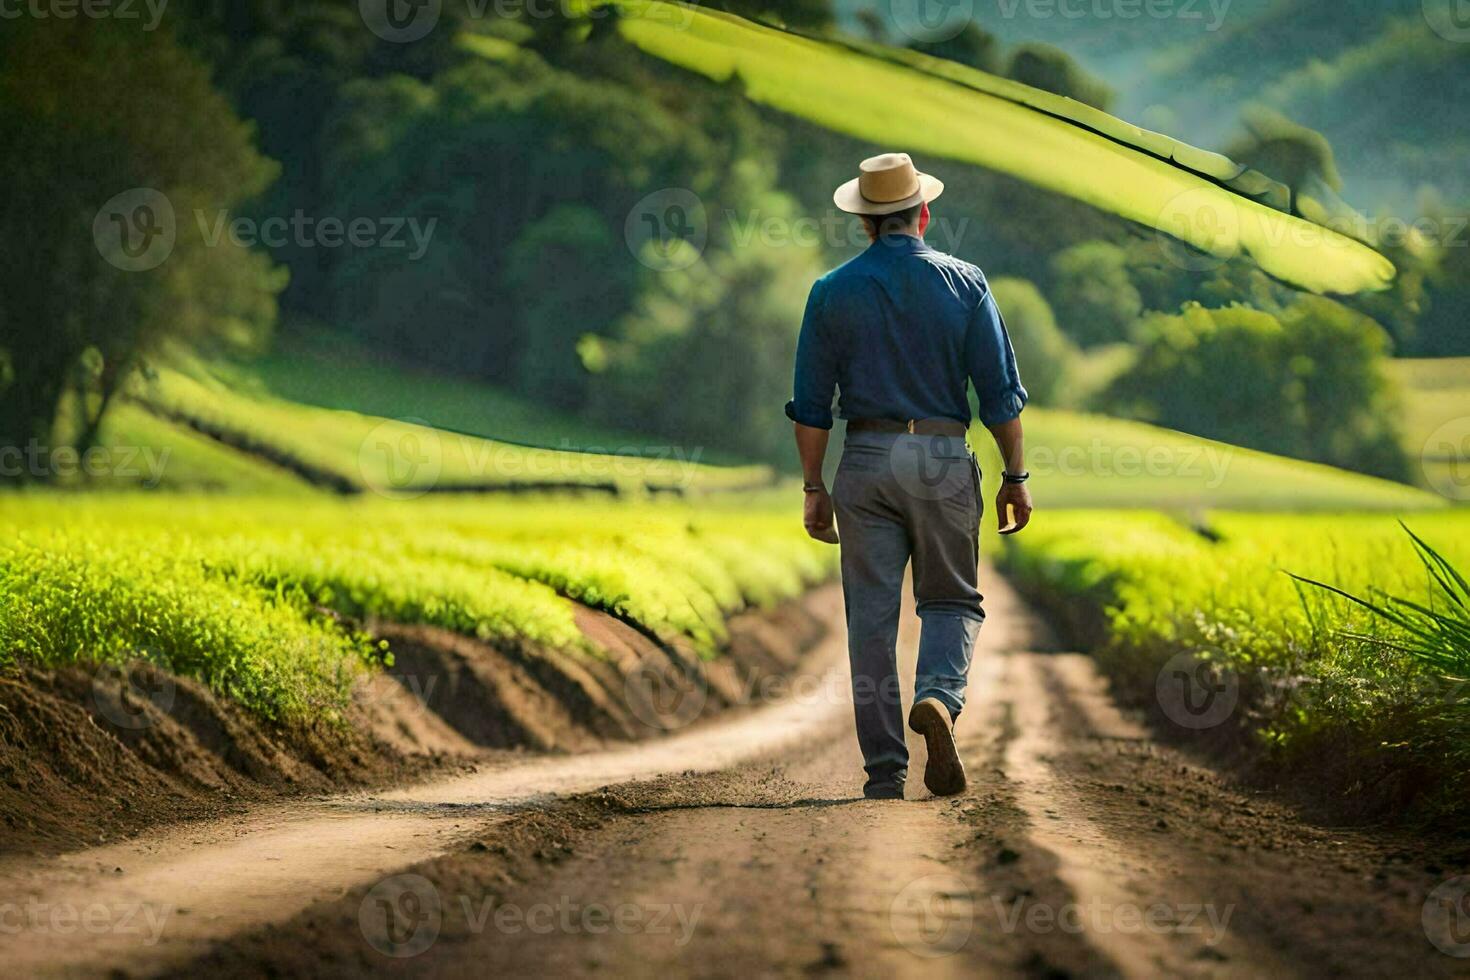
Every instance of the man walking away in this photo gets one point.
(900, 331)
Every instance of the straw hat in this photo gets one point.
(886, 183)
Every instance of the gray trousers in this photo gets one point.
(898, 498)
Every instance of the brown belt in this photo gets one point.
(919, 427)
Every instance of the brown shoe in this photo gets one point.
(945, 774)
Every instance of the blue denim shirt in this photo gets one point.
(900, 330)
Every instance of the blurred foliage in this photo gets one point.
(1309, 383)
(106, 109)
(1093, 287)
(1053, 70)
(1046, 352)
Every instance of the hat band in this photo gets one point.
(889, 200)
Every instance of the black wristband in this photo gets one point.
(1015, 477)
(813, 488)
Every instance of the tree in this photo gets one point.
(705, 354)
(1043, 352)
(1053, 70)
(1310, 383)
(124, 139)
(971, 46)
(1094, 294)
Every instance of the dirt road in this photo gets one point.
(1081, 848)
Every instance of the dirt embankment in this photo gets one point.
(89, 756)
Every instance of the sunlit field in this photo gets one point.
(1219, 591)
(258, 597)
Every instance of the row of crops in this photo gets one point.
(265, 600)
(1306, 662)
(350, 452)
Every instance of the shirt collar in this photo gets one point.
(899, 245)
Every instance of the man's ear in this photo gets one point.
(924, 218)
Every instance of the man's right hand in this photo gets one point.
(817, 516)
(1013, 507)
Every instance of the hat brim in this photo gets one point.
(850, 199)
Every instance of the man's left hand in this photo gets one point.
(817, 516)
(1013, 497)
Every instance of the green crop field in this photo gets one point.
(251, 596)
(352, 451)
(1162, 588)
(330, 371)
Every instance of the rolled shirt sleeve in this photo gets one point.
(991, 362)
(816, 368)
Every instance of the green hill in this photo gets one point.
(265, 442)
